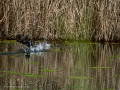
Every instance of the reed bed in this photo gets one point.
(61, 19)
(107, 21)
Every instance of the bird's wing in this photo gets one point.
(25, 38)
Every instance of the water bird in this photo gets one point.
(24, 40)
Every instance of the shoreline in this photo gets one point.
(61, 40)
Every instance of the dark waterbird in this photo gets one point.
(24, 40)
(27, 41)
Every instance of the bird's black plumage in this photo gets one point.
(24, 40)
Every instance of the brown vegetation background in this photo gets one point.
(61, 19)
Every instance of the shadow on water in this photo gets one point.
(72, 66)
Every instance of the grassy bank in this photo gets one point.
(62, 19)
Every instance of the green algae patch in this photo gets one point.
(68, 51)
(110, 60)
(49, 70)
(72, 68)
(12, 56)
(114, 56)
(23, 74)
(79, 87)
(79, 42)
(77, 77)
(34, 54)
(37, 41)
(56, 50)
(93, 43)
(14, 73)
(32, 63)
(73, 43)
(52, 45)
(29, 54)
(50, 66)
(10, 72)
(24, 65)
(9, 41)
(3, 71)
(32, 83)
(66, 42)
(34, 75)
(117, 75)
(18, 54)
(105, 89)
(93, 51)
(42, 66)
(101, 67)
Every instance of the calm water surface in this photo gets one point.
(66, 66)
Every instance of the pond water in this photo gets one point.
(61, 66)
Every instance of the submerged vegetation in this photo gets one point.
(61, 20)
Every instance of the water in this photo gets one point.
(66, 66)
(37, 49)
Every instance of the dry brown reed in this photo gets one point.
(61, 19)
(107, 20)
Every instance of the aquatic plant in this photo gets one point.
(62, 19)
